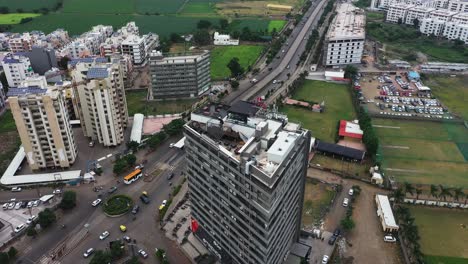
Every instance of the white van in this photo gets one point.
(20, 228)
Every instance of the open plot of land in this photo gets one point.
(353, 168)
(199, 8)
(252, 24)
(255, 8)
(9, 140)
(28, 5)
(15, 18)
(99, 7)
(276, 25)
(221, 55)
(427, 152)
(317, 198)
(338, 106)
(444, 232)
(451, 91)
(136, 104)
(159, 6)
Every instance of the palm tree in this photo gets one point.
(434, 191)
(409, 188)
(398, 195)
(418, 192)
(444, 192)
(458, 193)
(402, 212)
(357, 189)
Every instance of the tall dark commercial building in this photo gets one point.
(246, 173)
(184, 76)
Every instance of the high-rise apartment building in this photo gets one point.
(2, 99)
(183, 76)
(100, 98)
(43, 126)
(17, 69)
(246, 171)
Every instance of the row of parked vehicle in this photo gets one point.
(13, 204)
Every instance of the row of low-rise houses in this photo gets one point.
(451, 5)
(438, 22)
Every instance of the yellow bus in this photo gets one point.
(133, 176)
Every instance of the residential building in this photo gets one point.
(397, 13)
(456, 30)
(100, 100)
(385, 4)
(42, 59)
(135, 47)
(88, 43)
(224, 39)
(179, 76)
(21, 42)
(246, 171)
(2, 99)
(418, 13)
(458, 5)
(43, 126)
(345, 38)
(34, 81)
(16, 69)
(434, 24)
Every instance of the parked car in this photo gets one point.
(135, 209)
(142, 253)
(16, 189)
(104, 235)
(58, 191)
(325, 259)
(127, 239)
(36, 203)
(96, 202)
(91, 144)
(337, 232)
(20, 228)
(275, 81)
(18, 205)
(11, 205)
(5, 206)
(88, 252)
(112, 189)
(164, 202)
(351, 192)
(332, 240)
(389, 238)
(31, 219)
(345, 202)
(170, 176)
(30, 204)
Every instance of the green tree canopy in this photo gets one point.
(46, 218)
(101, 257)
(68, 200)
(235, 67)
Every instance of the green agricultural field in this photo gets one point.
(276, 24)
(28, 5)
(444, 260)
(15, 18)
(159, 6)
(451, 91)
(338, 106)
(424, 152)
(444, 233)
(253, 24)
(199, 8)
(136, 104)
(99, 7)
(221, 55)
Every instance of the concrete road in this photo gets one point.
(290, 56)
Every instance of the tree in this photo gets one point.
(101, 257)
(202, 37)
(134, 260)
(223, 24)
(131, 160)
(398, 195)
(119, 166)
(434, 191)
(176, 38)
(133, 145)
(4, 82)
(4, 10)
(458, 193)
(400, 21)
(63, 63)
(12, 252)
(156, 139)
(4, 257)
(416, 22)
(203, 24)
(409, 188)
(347, 223)
(31, 231)
(46, 218)
(19, 10)
(234, 84)
(68, 200)
(418, 192)
(444, 192)
(235, 67)
(117, 250)
(350, 71)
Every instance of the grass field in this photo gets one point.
(9, 139)
(444, 232)
(451, 91)
(424, 152)
(7, 123)
(221, 55)
(253, 24)
(276, 24)
(158, 6)
(99, 7)
(28, 5)
(136, 104)
(444, 260)
(338, 106)
(205, 8)
(317, 198)
(353, 168)
(15, 18)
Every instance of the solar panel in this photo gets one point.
(97, 73)
(25, 91)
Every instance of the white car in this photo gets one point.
(389, 238)
(36, 203)
(164, 202)
(325, 259)
(275, 81)
(96, 202)
(345, 202)
(20, 228)
(18, 205)
(88, 252)
(31, 219)
(171, 145)
(16, 189)
(351, 192)
(30, 204)
(58, 191)
(11, 205)
(5, 206)
(104, 235)
(142, 253)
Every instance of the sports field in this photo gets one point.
(444, 234)
(451, 91)
(338, 106)
(276, 24)
(221, 55)
(424, 152)
(15, 18)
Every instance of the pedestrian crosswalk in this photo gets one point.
(47, 260)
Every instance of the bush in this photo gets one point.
(118, 204)
(46, 218)
(176, 190)
(31, 231)
(12, 252)
(68, 200)
(163, 211)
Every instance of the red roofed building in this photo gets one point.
(350, 130)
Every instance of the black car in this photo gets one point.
(170, 176)
(112, 189)
(135, 209)
(144, 199)
(337, 232)
(332, 240)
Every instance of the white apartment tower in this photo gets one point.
(135, 47)
(43, 125)
(100, 99)
(17, 69)
(345, 38)
(397, 13)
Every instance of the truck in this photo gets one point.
(144, 197)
